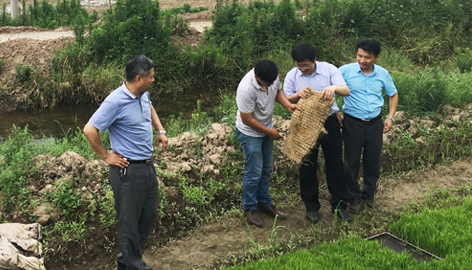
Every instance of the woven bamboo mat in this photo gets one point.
(306, 125)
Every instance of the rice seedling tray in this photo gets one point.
(399, 245)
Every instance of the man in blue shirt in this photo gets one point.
(363, 126)
(129, 116)
(324, 77)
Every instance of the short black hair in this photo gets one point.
(303, 51)
(266, 70)
(369, 45)
(138, 65)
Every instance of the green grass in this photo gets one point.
(350, 253)
(440, 231)
(444, 231)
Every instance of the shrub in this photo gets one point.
(23, 73)
(463, 60)
(2, 63)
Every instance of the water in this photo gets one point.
(58, 121)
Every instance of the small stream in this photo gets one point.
(58, 121)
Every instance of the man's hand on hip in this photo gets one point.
(116, 159)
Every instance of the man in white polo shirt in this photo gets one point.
(255, 98)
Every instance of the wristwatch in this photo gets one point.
(391, 118)
(161, 132)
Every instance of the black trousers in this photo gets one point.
(362, 138)
(136, 207)
(331, 144)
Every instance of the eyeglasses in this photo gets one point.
(304, 66)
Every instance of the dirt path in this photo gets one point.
(43, 35)
(229, 236)
(47, 35)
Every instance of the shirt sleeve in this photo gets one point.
(336, 77)
(245, 101)
(389, 86)
(105, 115)
(289, 84)
(277, 84)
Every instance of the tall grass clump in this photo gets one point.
(463, 60)
(15, 165)
(431, 89)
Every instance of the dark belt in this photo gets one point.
(363, 120)
(144, 161)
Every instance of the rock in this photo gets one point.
(93, 170)
(72, 162)
(400, 117)
(20, 247)
(185, 167)
(420, 140)
(456, 118)
(468, 109)
(212, 136)
(448, 109)
(44, 219)
(427, 123)
(192, 31)
(47, 188)
(386, 140)
(215, 159)
(208, 168)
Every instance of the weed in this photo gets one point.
(23, 73)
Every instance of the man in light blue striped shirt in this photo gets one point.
(326, 78)
(363, 126)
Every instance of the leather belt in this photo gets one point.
(363, 120)
(144, 161)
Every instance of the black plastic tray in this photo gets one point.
(399, 245)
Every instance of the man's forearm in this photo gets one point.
(282, 99)
(293, 98)
(343, 90)
(250, 121)
(93, 139)
(156, 122)
(393, 103)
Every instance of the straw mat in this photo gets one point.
(306, 125)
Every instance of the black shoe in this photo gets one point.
(371, 204)
(312, 216)
(356, 208)
(121, 266)
(342, 214)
